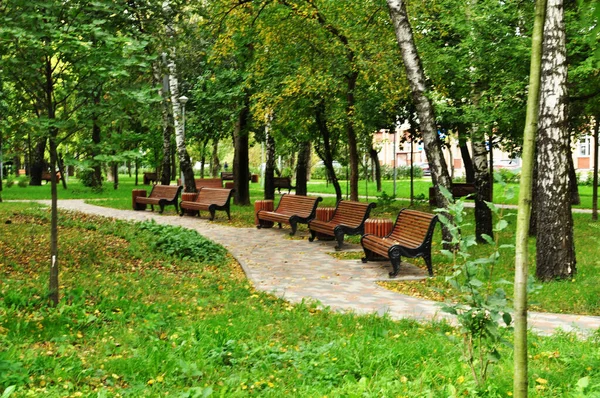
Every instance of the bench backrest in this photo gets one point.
(208, 183)
(227, 175)
(350, 213)
(414, 227)
(299, 205)
(169, 192)
(282, 182)
(218, 196)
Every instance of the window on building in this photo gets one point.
(585, 146)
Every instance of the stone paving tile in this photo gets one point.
(297, 270)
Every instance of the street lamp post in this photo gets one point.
(182, 100)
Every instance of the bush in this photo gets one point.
(508, 176)
(184, 243)
(402, 172)
(23, 181)
(86, 176)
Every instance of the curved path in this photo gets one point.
(298, 270)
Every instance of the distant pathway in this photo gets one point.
(296, 269)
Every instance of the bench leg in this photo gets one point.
(162, 208)
(395, 258)
(368, 255)
(212, 215)
(313, 234)
(294, 226)
(152, 207)
(427, 258)
(339, 236)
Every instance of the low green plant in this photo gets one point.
(482, 308)
(10, 181)
(183, 243)
(385, 201)
(23, 181)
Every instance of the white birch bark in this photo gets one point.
(416, 80)
(555, 244)
(182, 154)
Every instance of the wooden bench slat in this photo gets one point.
(348, 219)
(211, 200)
(411, 237)
(161, 195)
(292, 209)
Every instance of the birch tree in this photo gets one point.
(419, 90)
(555, 245)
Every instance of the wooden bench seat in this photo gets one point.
(228, 176)
(411, 237)
(211, 200)
(292, 209)
(283, 182)
(348, 219)
(161, 195)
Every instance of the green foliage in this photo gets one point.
(384, 201)
(482, 309)
(184, 243)
(402, 172)
(86, 176)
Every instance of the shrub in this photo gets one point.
(23, 181)
(184, 243)
(86, 176)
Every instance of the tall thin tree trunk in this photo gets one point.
(167, 124)
(573, 183)
(416, 80)
(326, 154)
(240, 158)
(302, 167)
(555, 244)
(520, 379)
(483, 214)
(269, 165)
(185, 163)
(375, 158)
(215, 163)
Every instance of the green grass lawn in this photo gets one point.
(136, 321)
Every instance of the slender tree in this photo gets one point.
(523, 213)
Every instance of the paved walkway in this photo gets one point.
(298, 270)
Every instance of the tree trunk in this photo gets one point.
(97, 173)
(302, 168)
(38, 165)
(326, 153)
(240, 158)
(520, 379)
(215, 163)
(416, 80)
(167, 126)
(573, 183)
(185, 163)
(375, 158)
(350, 132)
(483, 214)
(555, 244)
(466, 156)
(270, 167)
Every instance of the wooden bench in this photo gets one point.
(46, 176)
(292, 209)
(211, 200)
(348, 219)
(150, 178)
(459, 190)
(411, 237)
(228, 176)
(161, 195)
(205, 183)
(283, 182)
